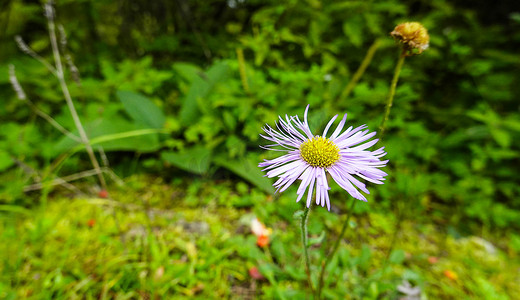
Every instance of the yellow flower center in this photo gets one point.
(319, 152)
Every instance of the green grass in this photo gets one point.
(192, 239)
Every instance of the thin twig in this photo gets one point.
(72, 67)
(114, 177)
(60, 180)
(26, 168)
(37, 177)
(53, 122)
(104, 158)
(69, 186)
(27, 50)
(16, 85)
(23, 97)
(49, 13)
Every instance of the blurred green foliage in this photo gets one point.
(173, 65)
(176, 67)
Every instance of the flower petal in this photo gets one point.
(328, 126)
(338, 129)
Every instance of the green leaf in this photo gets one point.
(269, 271)
(142, 109)
(235, 146)
(194, 160)
(15, 209)
(298, 214)
(363, 260)
(397, 256)
(200, 88)
(354, 31)
(187, 71)
(247, 169)
(316, 240)
(5, 160)
(502, 137)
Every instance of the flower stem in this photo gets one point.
(335, 248)
(390, 98)
(305, 217)
(361, 70)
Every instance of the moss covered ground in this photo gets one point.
(187, 239)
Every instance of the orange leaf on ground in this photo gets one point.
(450, 274)
(255, 274)
(433, 259)
(91, 223)
(262, 241)
(103, 194)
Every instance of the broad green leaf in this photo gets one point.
(194, 160)
(187, 71)
(247, 169)
(502, 137)
(142, 109)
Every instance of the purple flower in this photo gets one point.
(308, 158)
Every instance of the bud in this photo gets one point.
(413, 36)
(48, 10)
(16, 85)
(23, 46)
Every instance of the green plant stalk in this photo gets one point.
(361, 70)
(118, 136)
(56, 164)
(335, 248)
(61, 78)
(305, 217)
(391, 94)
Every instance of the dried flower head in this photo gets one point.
(413, 36)
(309, 157)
